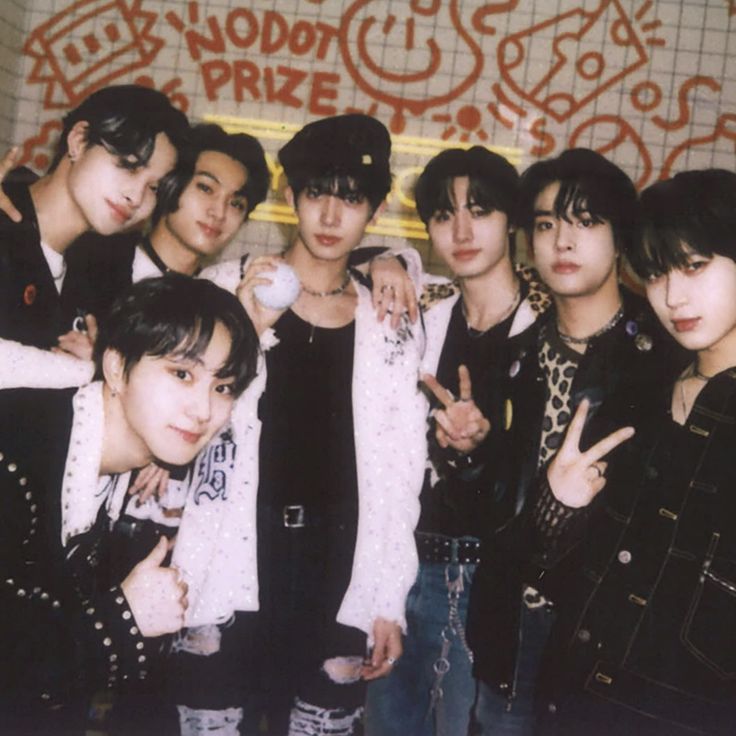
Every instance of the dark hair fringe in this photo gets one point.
(589, 183)
(493, 181)
(343, 183)
(176, 315)
(241, 147)
(125, 119)
(692, 211)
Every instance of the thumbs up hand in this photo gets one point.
(156, 595)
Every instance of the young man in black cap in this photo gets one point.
(466, 200)
(337, 442)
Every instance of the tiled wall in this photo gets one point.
(652, 83)
(13, 19)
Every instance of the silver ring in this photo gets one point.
(391, 660)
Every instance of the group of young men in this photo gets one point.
(351, 549)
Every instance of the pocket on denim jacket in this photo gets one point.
(709, 630)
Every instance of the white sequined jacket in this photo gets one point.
(217, 550)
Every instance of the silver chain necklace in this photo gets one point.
(334, 292)
(570, 340)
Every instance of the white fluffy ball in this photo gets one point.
(283, 289)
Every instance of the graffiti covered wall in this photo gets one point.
(651, 83)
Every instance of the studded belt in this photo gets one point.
(440, 548)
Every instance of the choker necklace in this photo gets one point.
(149, 250)
(479, 333)
(155, 257)
(570, 340)
(690, 372)
(695, 373)
(334, 292)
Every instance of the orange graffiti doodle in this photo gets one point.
(583, 32)
(393, 88)
(479, 16)
(178, 99)
(721, 131)
(684, 117)
(547, 142)
(269, 32)
(506, 102)
(643, 89)
(71, 69)
(623, 132)
(39, 161)
(469, 119)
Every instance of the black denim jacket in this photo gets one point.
(647, 597)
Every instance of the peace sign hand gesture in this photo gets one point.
(576, 477)
(460, 424)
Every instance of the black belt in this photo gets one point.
(294, 516)
(440, 548)
(298, 516)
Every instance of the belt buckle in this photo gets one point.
(294, 516)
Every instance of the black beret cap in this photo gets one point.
(351, 145)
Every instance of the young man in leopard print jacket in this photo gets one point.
(600, 341)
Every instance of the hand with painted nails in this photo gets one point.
(460, 423)
(393, 291)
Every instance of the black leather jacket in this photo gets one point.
(65, 627)
(619, 374)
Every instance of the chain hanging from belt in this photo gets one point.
(454, 627)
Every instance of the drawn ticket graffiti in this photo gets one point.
(558, 65)
(88, 45)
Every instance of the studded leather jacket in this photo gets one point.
(65, 628)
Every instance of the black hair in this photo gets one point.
(692, 211)
(125, 120)
(241, 147)
(176, 315)
(343, 185)
(343, 155)
(493, 182)
(590, 184)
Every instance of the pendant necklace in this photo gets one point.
(333, 292)
(472, 332)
